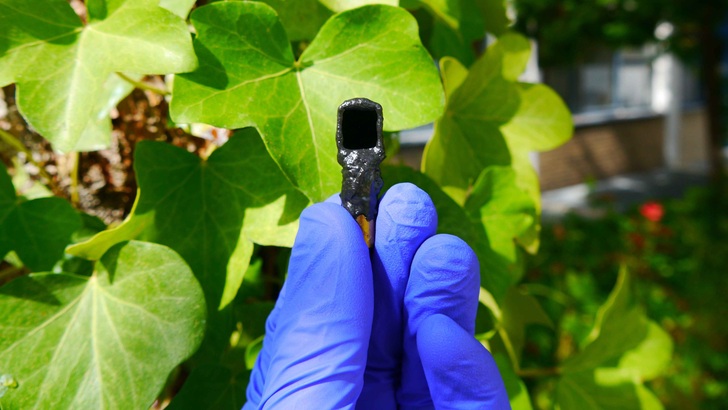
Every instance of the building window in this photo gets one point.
(627, 83)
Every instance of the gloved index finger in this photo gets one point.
(318, 349)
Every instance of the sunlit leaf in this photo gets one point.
(248, 77)
(504, 209)
(302, 19)
(133, 227)
(344, 5)
(209, 211)
(179, 7)
(105, 341)
(61, 66)
(97, 134)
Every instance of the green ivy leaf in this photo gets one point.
(448, 11)
(36, 230)
(210, 211)
(302, 19)
(519, 311)
(624, 349)
(496, 271)
(621, 328)
(459, 24)
(61, 66)
(596, 391)
(106, 341)
(97, 134)
(453, 74)
(495, 18)
(469, 132)
(179, 7)
(541, 123)
(490, 119)
(344, 5)
(448, 42)
(371, 52)
(133, 227)
(504, 209)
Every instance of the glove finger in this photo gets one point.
(322, 328)
(334, 199)
(444, 279)
(254, 392)
(406, 218)
(461, 372)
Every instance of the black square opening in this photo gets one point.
(359, 128)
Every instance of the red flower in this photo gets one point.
(652, 211)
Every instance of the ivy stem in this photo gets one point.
(75, 198)
(11, 140)
(142, 85)
(509, 348)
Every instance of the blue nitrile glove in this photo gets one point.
(389, 330)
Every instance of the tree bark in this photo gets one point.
(711, 45)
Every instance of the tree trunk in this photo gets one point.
(711, 55)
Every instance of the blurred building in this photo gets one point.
(634, 110)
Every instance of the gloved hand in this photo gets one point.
(389, 330)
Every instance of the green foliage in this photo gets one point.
(61, 66)
(371, 52)
(623, 349)
(86, 342)
(210, 212)
(37, 230)
(677, 262)
(119, 315)
(491, 120)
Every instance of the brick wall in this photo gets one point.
(601, 151)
